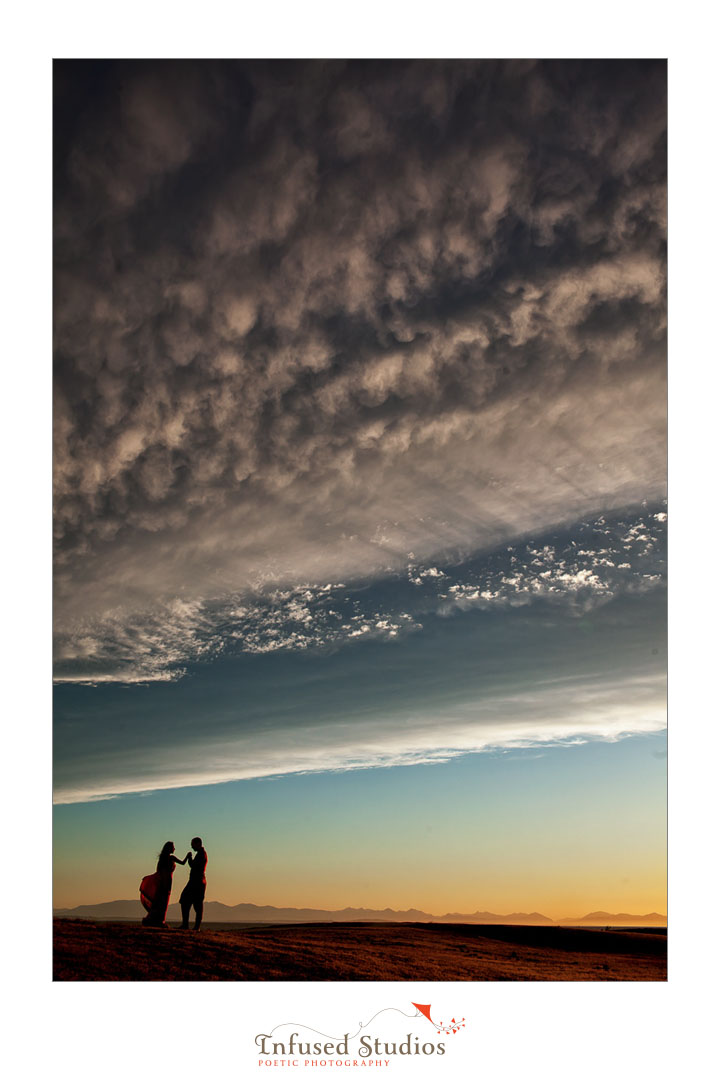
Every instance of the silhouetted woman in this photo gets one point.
(156, 888)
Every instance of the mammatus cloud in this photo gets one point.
(345, 353)
(311, 317)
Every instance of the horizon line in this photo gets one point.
(381, 911)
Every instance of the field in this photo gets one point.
(86, 950)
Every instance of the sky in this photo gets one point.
(360, 456)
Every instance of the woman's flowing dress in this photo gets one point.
(155, 892)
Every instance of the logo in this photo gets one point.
(294, 1043)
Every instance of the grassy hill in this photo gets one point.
(107, 951)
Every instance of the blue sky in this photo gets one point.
(561, 830)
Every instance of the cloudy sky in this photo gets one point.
(360, 476)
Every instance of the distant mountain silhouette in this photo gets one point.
(518, 918)
(604, 918)
(249, 913)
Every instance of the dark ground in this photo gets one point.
(109, 951)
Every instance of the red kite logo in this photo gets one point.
(447, 1029)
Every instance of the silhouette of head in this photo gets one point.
(168, 848)
(196, 843)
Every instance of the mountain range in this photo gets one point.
(251, 913)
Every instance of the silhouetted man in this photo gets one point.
(193, 895)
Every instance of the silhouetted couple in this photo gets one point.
(156, 888)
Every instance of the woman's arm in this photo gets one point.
(180, 862)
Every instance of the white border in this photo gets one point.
(513, 1029)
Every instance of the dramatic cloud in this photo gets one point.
(312, 318)
(359, 414)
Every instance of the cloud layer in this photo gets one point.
(598, 561)
(312, 318)
(560, 712)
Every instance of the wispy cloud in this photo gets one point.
(558, 712)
